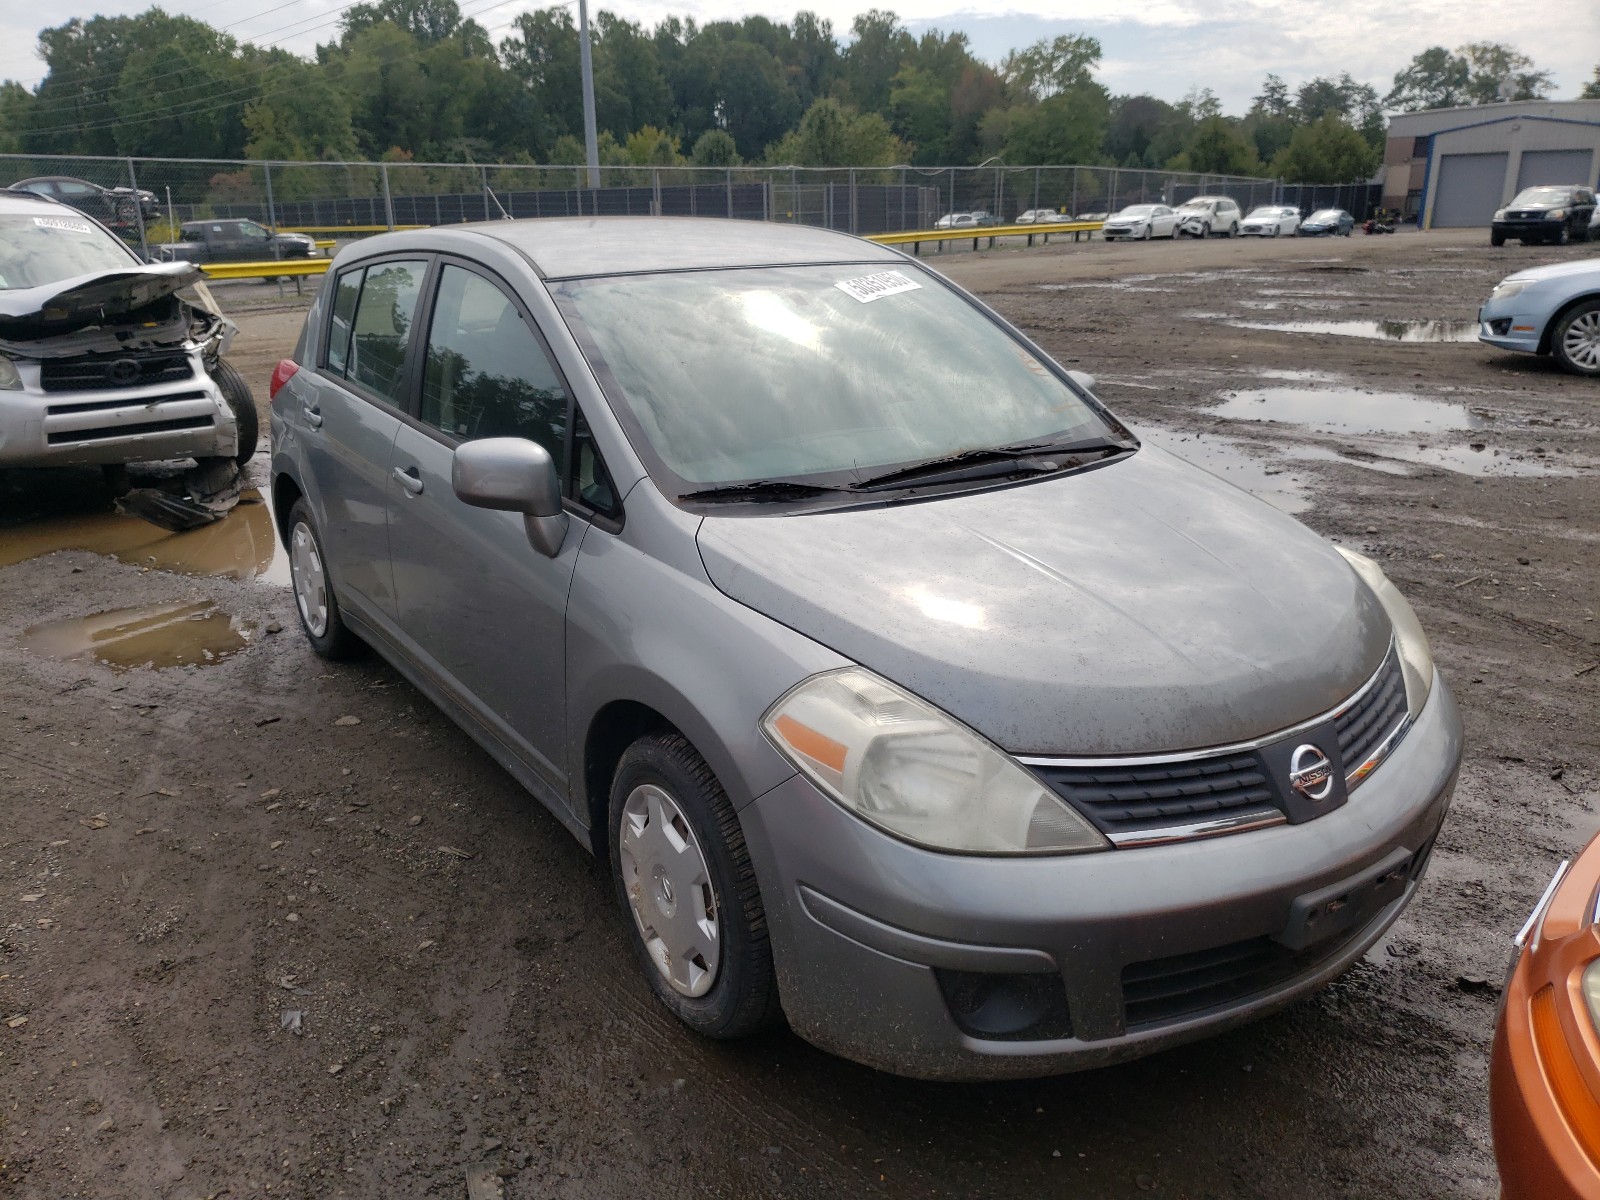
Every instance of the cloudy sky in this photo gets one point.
(1163, 47)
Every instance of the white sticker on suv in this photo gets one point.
(868, 288)
(63, 223)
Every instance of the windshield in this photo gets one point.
(1325, 214)
(1543, 195)
(1137, 210)
(42, 248)
(807, 373)
(1202, 205)
(1265, 212)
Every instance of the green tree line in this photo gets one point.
(414, 80)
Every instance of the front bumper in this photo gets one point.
(188, 418)
(879, 944)
(1530, 231)
(1502, 326)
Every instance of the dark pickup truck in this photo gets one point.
(232, 240)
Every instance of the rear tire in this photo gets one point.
(315, 602)
(676, 845)
(243, 405)
(1575, 340)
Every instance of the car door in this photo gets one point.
(480, 609)
(351, 411)
(1163, 221)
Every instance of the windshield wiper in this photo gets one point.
(1034, 458)
(759, 490)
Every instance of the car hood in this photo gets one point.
(83, 300)
(1140, 607)
(1557, 271)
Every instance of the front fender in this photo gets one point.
(646, 625)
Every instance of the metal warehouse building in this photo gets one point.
(1451, 167)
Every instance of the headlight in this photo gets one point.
(912, 770)
(1500, 214)
(1416, 660)
(10, 381)
(1504, 291)
(1556, 214)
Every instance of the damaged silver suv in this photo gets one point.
(104, 359)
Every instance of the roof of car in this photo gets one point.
(561, 247)
(13, 200)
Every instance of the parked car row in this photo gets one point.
(1203, 216)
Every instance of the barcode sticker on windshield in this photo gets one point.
(63, 223)
(875, 287)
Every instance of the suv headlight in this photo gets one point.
(1556, 214)
(1416, 660)
(10, 381)
(1500, 214)
(917, 773)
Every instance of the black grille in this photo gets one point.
(171, 425)
(99, 372)
(1364, 725)
(1119, 799)
(1168, 989)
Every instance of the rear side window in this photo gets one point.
(381, 328)
(487, 375)
(346, 292)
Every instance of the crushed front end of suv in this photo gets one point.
(104, 359)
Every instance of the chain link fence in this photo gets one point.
(147, 200)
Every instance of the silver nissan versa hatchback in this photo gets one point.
(908, 695)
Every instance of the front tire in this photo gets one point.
(684, 876)
(1497, 239)
(1563, 237)
(1575, 340)
(314, 599)
(243, 406)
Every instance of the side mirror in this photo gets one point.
(513, 475)
(1083, 379)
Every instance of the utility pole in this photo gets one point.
(590, 138)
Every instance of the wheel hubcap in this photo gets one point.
(669, 890)
(1581, 341)
(310, 581)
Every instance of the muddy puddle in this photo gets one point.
(1389, 425)
(1386, 331)
(1263, 477)
(1328, 411)
(243, 545)
(155, 636)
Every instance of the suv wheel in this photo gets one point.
(1497, 239)
(1563, 236)
(243, 405)
(1575, 340)
(684, 874)
(314, 600)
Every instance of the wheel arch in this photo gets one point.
(615, 727)
(1555, 317)
(285, 491)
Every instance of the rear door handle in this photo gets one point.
(409, 479)
(313, 416)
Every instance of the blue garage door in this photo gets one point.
(1467, 189)
(1555, 166)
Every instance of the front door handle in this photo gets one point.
(313, 416)
(409, 479)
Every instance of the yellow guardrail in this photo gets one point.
(265, 270)
(915, 238)
(325, 243)
(345, 228)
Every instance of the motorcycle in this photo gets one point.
(1373, 225)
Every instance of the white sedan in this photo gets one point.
(1141, 221)
(1270, 221)
(1039, 216)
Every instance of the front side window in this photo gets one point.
(381, 327)
(816, 373)
(68, 188)
(251, 230)
(486, 374)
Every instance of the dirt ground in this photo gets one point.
(277, 927)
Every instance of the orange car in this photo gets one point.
(1544, 1078)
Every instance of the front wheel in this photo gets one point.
(683, 872)
(1145, 236)
(318, 607)
(1575, 340)
(243, 406)
(1563, 237)
(1497, 239)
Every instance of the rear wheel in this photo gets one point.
(313, 590)
(684, 875)
(1575, 340)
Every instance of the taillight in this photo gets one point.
(280, 375)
